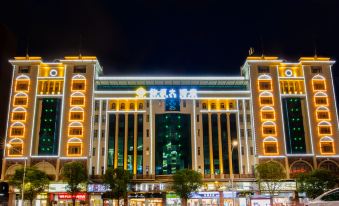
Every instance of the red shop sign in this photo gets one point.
(66, 196)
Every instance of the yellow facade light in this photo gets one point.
(265, 85)
(76, 116)
(17, 131)
(75, 131)
(22, 85)
(78, 85)
(271, 148)
(319, 84)
(74, 149)
(267, 115)
(15, 149)
(324, 130)
(269, 130)
(323, 115)
(20, 101)
(327, 147)
(77, 101)
(18, 116)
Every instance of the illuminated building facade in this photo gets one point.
(153, 126)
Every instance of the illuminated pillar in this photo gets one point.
(210, 143)
(229, 144)
(220, 146)
(116, 140)
(126, 140)
(135, 144)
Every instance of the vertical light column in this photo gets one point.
(246, 135)
(220, 146)
(210, 143)
(99, 137)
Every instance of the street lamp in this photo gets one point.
(234, 145)
(9, 146)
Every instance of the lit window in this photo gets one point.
(77, 101)
(79, 69)
(263, 69)
(323, 115)
(22, 85)
(77, 115)
(23, 69)
(222, 106)
(320, 101)
(122, 106)
(325, 130)
(114, 106)
(15, 149)
(78, 85)
(74, 148)
(204, 105)
(271, 148)
(213, 106)
(316, 69)
(20, 116)
(266, 100)
(20, 101)
(267, 115)
(131, 106)
(265, 85)
(269, 130)
(75, 131)
(17, 131)
(319, 85)
(326, 147)
(141, 106)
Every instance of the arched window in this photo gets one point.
(270, 146)
(213, 106)
(204, 105)
(114, 106)
(323, 113)
(266, 98)
(122, 106)
(74, 147)
(329, 165)
(326, 145)
(141, 106)
(318, 83)
(300, 167)
(131, 106)
(222, 105)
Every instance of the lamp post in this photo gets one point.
(234, 145)
(9, 146)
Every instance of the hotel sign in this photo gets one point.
(167, 93)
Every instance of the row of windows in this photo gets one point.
(123, 106)
(228, 105)
(77, 69)
(266, 69)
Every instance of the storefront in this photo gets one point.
(58, 195)
(146, 199)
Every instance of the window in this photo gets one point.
(114, 106)
(270, 147)
(263, 69)
(79, 69)
(15, 149)
(147, 132)
(78, 85)
(326, 147)
(77, 115)
(122, 106)
(147, 118)
(104, 104)
(184, 103)
(95, 133)
(230, 105)
(17, 131)
(96, 105)
(147, 104)
(251, 151)
(75, 131)
(199, 151)
(198, 118)
(268, 130)
(74, 149)
(22, 85)
(102, 151)
(242, 151)
(18, 116)
(198, 132)
(325, 130)
(316, 69)
(131, 106)
(141, 106)
(323, 115)
(266, 100)
(20, 101)
(196, 103)
(76, 101)
(93, 152)
(333, 196)
(96, 118)
(204, 106)
(265, 85)
(213, 106)
(267, 115)
(222, 106)
(320, 100)
(23, 69)
(319, 85)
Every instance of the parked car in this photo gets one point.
(330, 198)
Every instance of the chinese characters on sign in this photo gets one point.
(167, 93)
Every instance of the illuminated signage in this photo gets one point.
(66, 196)
(167, 93)
(97, 188)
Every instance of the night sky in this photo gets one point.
(165, 37)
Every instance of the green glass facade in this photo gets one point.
(130, 142)
(121, 140)
(207, 162)
(294, 126)
(140, 132)
(49, 126)
(173, 143)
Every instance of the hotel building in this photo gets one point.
(274, 110)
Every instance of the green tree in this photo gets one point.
(185, 182)
(36, 181)
(118, 180)
(269, 176)
(316, 182)
(75, 174)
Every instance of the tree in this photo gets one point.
(271, 175)
(118, 180)
(316, 182)
(185, 182)
(36, 181)
(75, 174)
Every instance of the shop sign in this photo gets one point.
(204, 195)
(66, 196)
(61, 187)
(284, 186)
(172, 195)
(98, 188)
(165, 93)
(146, 187)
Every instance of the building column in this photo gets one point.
(58, 169)
(229, 140)
(3, 169)
(116, 139)
(220, 147)
(126, 140)
(210, 143)
(135, 144)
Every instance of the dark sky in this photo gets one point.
(165, 37)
